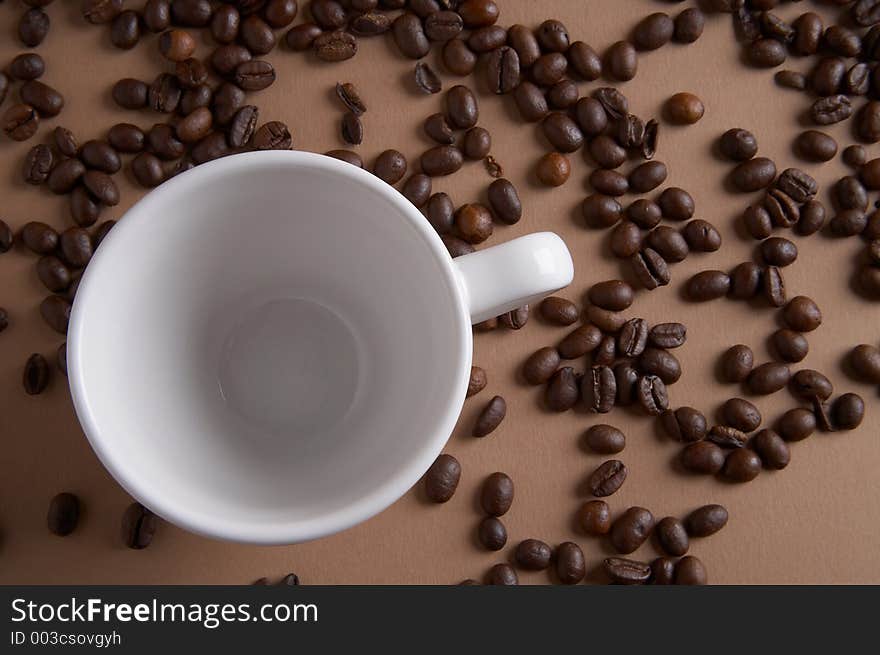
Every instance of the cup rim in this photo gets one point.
(290, 531)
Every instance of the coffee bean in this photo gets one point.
(492, 533)
(653, 31)
(256, 35)
(778, 251)
(822, 413)
(754, 174)
(626, 571)
(302, 37)
(594, 517)
(138, 526)
(791, 79)
(650, 269)
(797, 424)
(600, 210)
(672, 536)
(593, 119)
(100, 156)
(478, 13)
(129, 93)
(455, 246)
(599, 389)
(488, 39)
(563, 94)
(191, 13)
(54, 275)
(766, 53)
(458, 58)
(579, 342)
(226, 21)
(668, 243)
(676, 204)
(797, 184)
(157, 15)
(63, 514)
(562, 132)
(826, 78)
(477, 381)
(102, 187)
(812, 218)
(810, 384)
(390, 166)
(606, 152)
(332, 46)
(684, 109)
(443, 25)
(409, 36)
(629, 131)
(648, 146)
(739, 145)
(164, 94)
(254, 75)
(684, 424)
(789, 345)
(55, 311)
(38, 237)
(38, 164)
(549, 69)
(802, 314)
(490, 418)
(850, 193)
(440, 212)
(855, 156)
(35, 378)
(708, 285)
(626, 239)
(633, 337)
(621, 61)
(65, 142)
(515, 319)
(147, 170)
(474, 222)
(502, 574)
(774, 286)
(741, 465)
(504, 201)
(688, 26)
(609, 183)
(607, 478)
(816, 146)
(570, 565)
(652, 395)
(614, 295)
(163, 142)
(352, 129)
(808, 30)
(702, 457)
(690, 571)
(647, 176)
(847, 411)
(558, 311)
(772, 450)
(833, 109)
(631, 529)
(496, 495)
(442, 478)
(561, 393)
(662, 571)
(20, 121)
(441, 161)
(768, 378)
(740, 414)
(533, 555)
(33, 26)
(176, 45)
(541, 365)
(461, 107)
(65, 175)
(701, 236)
(76, 247)
(848, 222)
(605, 439)
(865, 362)
(27, 66)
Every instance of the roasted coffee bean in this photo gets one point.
(600, 210)
(797, 424)
(352, 129)
(594, 517)
(487, 39)
(333, 46)
(549, 69)
(774, 286)
(504, 201)
(650, 269)
(631, 529)
(157, 15)
(138, 526)
(614, 295)
(621, 61)
(478, 13)
(241, 128)
(129, 93)
(607, 478)
(791, 79)
(570, 565)
(688, 25)
(667, 335)
(684, 109)
(491, 417)
(474, 222)
(827, 77)
(558, 311)
(802, 314)
(27, 66)
(65, 175)
(701, 236)
(847, 411)
(440, 212)
(552, 36)
(102, 187)
(606, 352)
(766, 53)
(633, 337)
(676, 204)
(842, 41)
(627, 380)
(37, 237)
(461, 107)
(626, 239)
(591, 117)
(163, 142)
(668, 243)
(768, 378)
(822, 412)
(562, 132)
(606, 152)
(101, 232)
(457, 247)
(442, 478)
(417, 189)
(329, 14)
(533, 555)
(33, 26)
(147, 170)
(739, 145)
(652, 395)
(608, 182)
(810, 384)
(647, 176)
(164, 94)
(390, 166)
(613, 101)
(192, 75)
(477, 381)
(812, 218)
(772, 450)
(644, 213)
(438, 129)
(492, 533)
(789, 345)
(833, 109)
(502, 70)
(100, 156)
(496, 495)
(684, 424)
(702, 457)
(83, 208)
(741, 465)
(865, 362)
(778, 251)
(599, 389)
(55, 311)
(254, 75)
(740, 414)
(502, 574)
(662, 571)
(797, 184)
(754, 174)
(302, 37)
(35, 378)
(226, 21)
(348, 157)
(458, 58)
(708, 285)
(626, 571)
(672, 536)
(191, 13)
(653, 31)
(530, 101)
(648, 146)
(441, 160)
(857, 81)
(38, 164)
(443, 25)
(848, 222)
(563, 94)
(808, 30)
(76, 247)
(63, 514)
(176, 45)
(65, 142)
(561, 393)
(515, 319)
(409, 36)
(580, 341)
(690, 571)
(426, 79)
(817, 146)
(850, 193)
(629, 131)
(605, 439)
(20, 121)
(256, 35)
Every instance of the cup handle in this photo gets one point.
(513, 274)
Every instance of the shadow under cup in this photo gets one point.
(269, 348)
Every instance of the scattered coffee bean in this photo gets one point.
(441, 161)
(549, 69)
(847, 411)
(599, 389)
(490, 418)
(533, 555)
(35, 378)
(791, 79)
(802, 314)
(579, 342)
(702, 457)
(631, 529)
(690, 571)
(38, 164)
(789, 345)
(772, 450)
(541, 365)
(626, 571)
(754, 174)
(76, 247)
(461, 107)
(138, 526)
(553, 169)
(778, 251)
(684, 424)
(650, 269)
(63, 514)
(741, 414)
(607, 478)
(675, 204)
(390, 166)
(774, 286)
(33, 26)
(865, 362)
(830, 110)
(561, 393)
(492, 533)
(328, 46)
(708, 285)
(605, 439)
(442, 478)
(497, 494)
(741, 465)
(570, 565)
(502, 574)
(812, 218)
(594, 517)
(797, 424)
(684, 109)
(668, 243)
(816, 146)
(672, 536)
(621, 61)
(55, 311)
(739, 145)
(633, 337)
(647, 176)
(474, 222)
(20, 122)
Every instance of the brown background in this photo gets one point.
(818, 521)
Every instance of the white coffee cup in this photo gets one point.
(275, 346)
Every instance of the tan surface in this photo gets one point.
(817, 521)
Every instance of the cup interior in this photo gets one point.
(269, 348)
